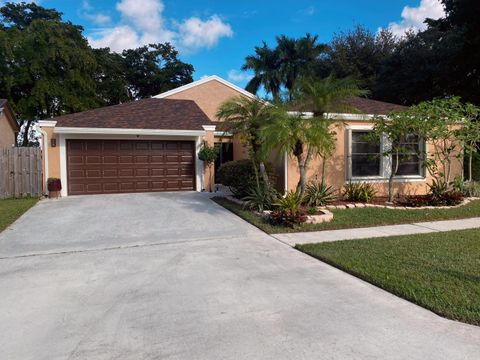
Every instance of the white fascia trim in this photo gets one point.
(209, 127)
(63, 165)
(355, 117)
(359, 127)
(47, 123)
(117, 131)
(222, 133)
(203, 81)
(337, 116)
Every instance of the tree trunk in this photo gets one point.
(470, 164)
(264, 174)
(303, 167)
(26, 132)
(393, 172)
(301, 181)
(324, 159)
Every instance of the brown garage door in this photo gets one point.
(121, 166)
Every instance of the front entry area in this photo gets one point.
(123, 166)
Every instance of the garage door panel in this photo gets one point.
(110, 159)
(125, 159)
(93, 174)
(94, 188)
(76, 160)
(142, 172)
(93, 159)
(113, 166)
(110, 173)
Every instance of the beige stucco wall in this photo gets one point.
(7, 133)
(208, 96)
(336, 168)
(53, 153)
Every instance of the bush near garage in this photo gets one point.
(239, 176)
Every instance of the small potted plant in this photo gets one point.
(54, 186)
(208, 154)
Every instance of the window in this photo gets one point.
(410, 162)
(365, 157)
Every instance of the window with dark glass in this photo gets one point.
(366, 156)
(410, 162)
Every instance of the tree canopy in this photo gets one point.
(442, 60)
(47, 67)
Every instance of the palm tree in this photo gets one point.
(298, 57)
(265, 64)
(246, 117)
(308, 137)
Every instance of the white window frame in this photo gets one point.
(385, 162)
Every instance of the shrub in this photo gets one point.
(448, 198)
(288, 210)
(471, 189)
(288, 217)
(239, 176)
(361, 192)
(319, 194)
(260, 198)
(437, 188)
(292, 201)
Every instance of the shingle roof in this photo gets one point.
(374, 107)
(151, 113)
(3, 102)
(363, 106)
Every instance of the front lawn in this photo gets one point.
(439, 271)
(358, 217)
(12, 209)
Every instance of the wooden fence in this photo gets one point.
(21, 172)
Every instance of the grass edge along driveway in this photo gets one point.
(12, 209)
(358, 217)
(438, 271)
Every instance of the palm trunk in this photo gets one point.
(470, 165)
(323, 170)
(264, 174)
(303, 167)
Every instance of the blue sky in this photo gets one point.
(215, 36)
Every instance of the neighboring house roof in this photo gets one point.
(4, 105)
(141, 114)
(203, 81)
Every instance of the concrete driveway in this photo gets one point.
(174, 276)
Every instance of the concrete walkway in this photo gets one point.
(379, 231)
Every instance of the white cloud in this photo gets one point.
(309, 11)
(95, 17)
(413, 17)
(98, 19)
(195, 33)
(116, 38)
(238, 76)
(145, 23)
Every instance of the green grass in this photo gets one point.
(12, 209)
(359, 217)
(439, 271)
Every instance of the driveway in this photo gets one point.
(175, 276)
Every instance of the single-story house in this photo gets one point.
(9, 127)
(152, 145)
